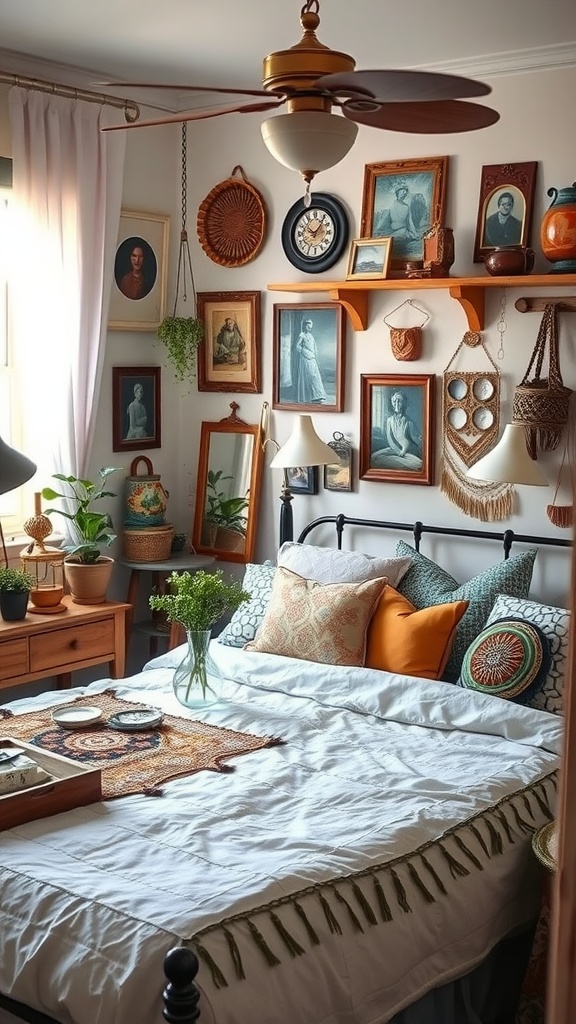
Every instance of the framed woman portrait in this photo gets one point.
(138, 294)
(369, 259)
(136, 420)
(303, 479)
(309, 357)
(229, 357)
(397, 428)
(505, 207)
(403, 199)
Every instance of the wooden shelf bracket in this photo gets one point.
(471, 299)
(355, 303)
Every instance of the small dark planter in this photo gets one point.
(14, 604)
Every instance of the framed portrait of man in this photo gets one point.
(505, 207)
(397, 427)
(229, 357)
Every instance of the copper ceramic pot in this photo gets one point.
(558, 230)
(509, 260)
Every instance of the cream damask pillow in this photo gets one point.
(324, 622)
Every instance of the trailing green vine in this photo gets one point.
(182, 335)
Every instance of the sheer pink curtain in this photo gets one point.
(66, 205)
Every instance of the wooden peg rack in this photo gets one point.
(563, 304)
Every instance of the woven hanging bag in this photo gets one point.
(541, 403)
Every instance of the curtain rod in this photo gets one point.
(131, 109)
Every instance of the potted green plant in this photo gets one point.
(225, 516)
(86, 569)
(197, 601)
(15, 587)
(181, 335)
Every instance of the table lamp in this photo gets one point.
(508, 462)
(303, 448)
(15, 470)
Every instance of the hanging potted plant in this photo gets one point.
(15, 587)
(87, 570)
(197, 601)
(182, 334)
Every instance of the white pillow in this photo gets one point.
(329, 565)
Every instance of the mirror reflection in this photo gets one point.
(229, 472)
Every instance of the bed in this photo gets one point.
(394, 883)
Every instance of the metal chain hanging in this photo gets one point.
(184, 258)
(502, 326)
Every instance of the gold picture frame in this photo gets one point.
(229, 357)
(138, 294)
(369, 259)
(404, 199)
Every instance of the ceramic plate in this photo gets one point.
(76, 718)
(134, 721)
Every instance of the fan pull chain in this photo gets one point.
(502, 326)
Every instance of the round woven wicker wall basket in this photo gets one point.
(232, 221)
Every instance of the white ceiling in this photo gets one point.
(223, 42)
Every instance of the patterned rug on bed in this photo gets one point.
(134, 762)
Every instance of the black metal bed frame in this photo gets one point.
(181, 994)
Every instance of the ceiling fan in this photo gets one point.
(309, 79)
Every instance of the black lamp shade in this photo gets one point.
(15, 469)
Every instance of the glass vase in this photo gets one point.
(192, 683)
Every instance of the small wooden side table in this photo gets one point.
(56, 645)
(179, 562)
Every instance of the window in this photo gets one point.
(14, 504)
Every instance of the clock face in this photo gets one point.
(314, 237)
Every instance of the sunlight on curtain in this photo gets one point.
(66, 205)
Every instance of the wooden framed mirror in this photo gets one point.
(228, 488)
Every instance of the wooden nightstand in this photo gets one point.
(57, 645)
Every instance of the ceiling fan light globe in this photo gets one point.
(309, 140)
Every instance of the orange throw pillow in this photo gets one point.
(410, 642)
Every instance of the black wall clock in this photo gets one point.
(314, 237)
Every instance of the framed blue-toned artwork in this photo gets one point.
(309, 357)
(397, 428)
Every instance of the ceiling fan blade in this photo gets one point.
(397, 86)
(433, 118)
(184, 88)
(195, 115)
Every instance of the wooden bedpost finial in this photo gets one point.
(181, 994)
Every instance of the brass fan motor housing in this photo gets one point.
(298, 68)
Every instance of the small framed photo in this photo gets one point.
(397, 428)
(303, 479)
(505, 206)
(138, 295)
(369, 259)
(136, 419)
(338, 475)
(309, 357)
(403, 199)
(229, 357)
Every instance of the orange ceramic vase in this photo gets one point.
(558, 230)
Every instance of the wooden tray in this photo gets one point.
(72, 785)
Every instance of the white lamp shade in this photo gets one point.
(309, 140)
(304, 448)
(509, 462)
(15, 469)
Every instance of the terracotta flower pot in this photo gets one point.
(88, 584)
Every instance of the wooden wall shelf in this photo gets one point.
(468, 291)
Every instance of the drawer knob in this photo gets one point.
(74, 644)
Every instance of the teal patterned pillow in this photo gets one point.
(426, 584)
(246, 619)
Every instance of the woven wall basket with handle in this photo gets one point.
(541, 403)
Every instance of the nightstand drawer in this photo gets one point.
(13, 658)
(72, 644)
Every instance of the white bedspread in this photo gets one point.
(374, 765)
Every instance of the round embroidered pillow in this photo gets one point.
(510, 658)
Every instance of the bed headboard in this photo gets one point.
(417, 529)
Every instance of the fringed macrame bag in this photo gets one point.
(541, 403)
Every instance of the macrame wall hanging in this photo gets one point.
(541, 403)
(470, 428)
(560, 515)
(406, 342)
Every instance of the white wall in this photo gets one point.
(535, 115)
